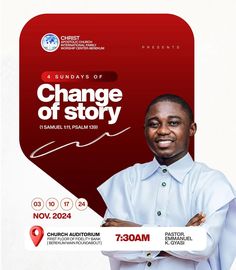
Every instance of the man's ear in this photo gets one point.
(192, 129)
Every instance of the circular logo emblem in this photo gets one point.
(50, 42)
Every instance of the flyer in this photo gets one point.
(86, 105)
(77, 87)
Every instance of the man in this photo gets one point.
(172, 190)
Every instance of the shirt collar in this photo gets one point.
(178, 169)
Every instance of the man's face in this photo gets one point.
(167, 131)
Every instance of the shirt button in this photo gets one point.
(149, 264)
(158, 213)
(163, 184)
(164, 170)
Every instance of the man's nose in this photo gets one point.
(163, 130)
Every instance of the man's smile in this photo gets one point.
(164, 143)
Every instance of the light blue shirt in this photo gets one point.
(154, 195)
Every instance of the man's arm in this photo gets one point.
(142, 256)
(197, 220)
(213, 226)
(128, 256)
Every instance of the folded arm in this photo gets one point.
(213, 226)
(128, 256)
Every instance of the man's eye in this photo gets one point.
(174, 123)
(153, 124)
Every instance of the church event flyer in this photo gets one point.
(75, 90)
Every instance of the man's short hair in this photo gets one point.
(173, 98)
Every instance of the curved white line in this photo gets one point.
(77, 144)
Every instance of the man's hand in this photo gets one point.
(114, 222)
(197, 220)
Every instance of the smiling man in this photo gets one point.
(172, 190)
(168, 128)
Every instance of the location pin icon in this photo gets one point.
(36, 234)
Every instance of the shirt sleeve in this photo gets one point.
(130, 256)
(214, 225)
